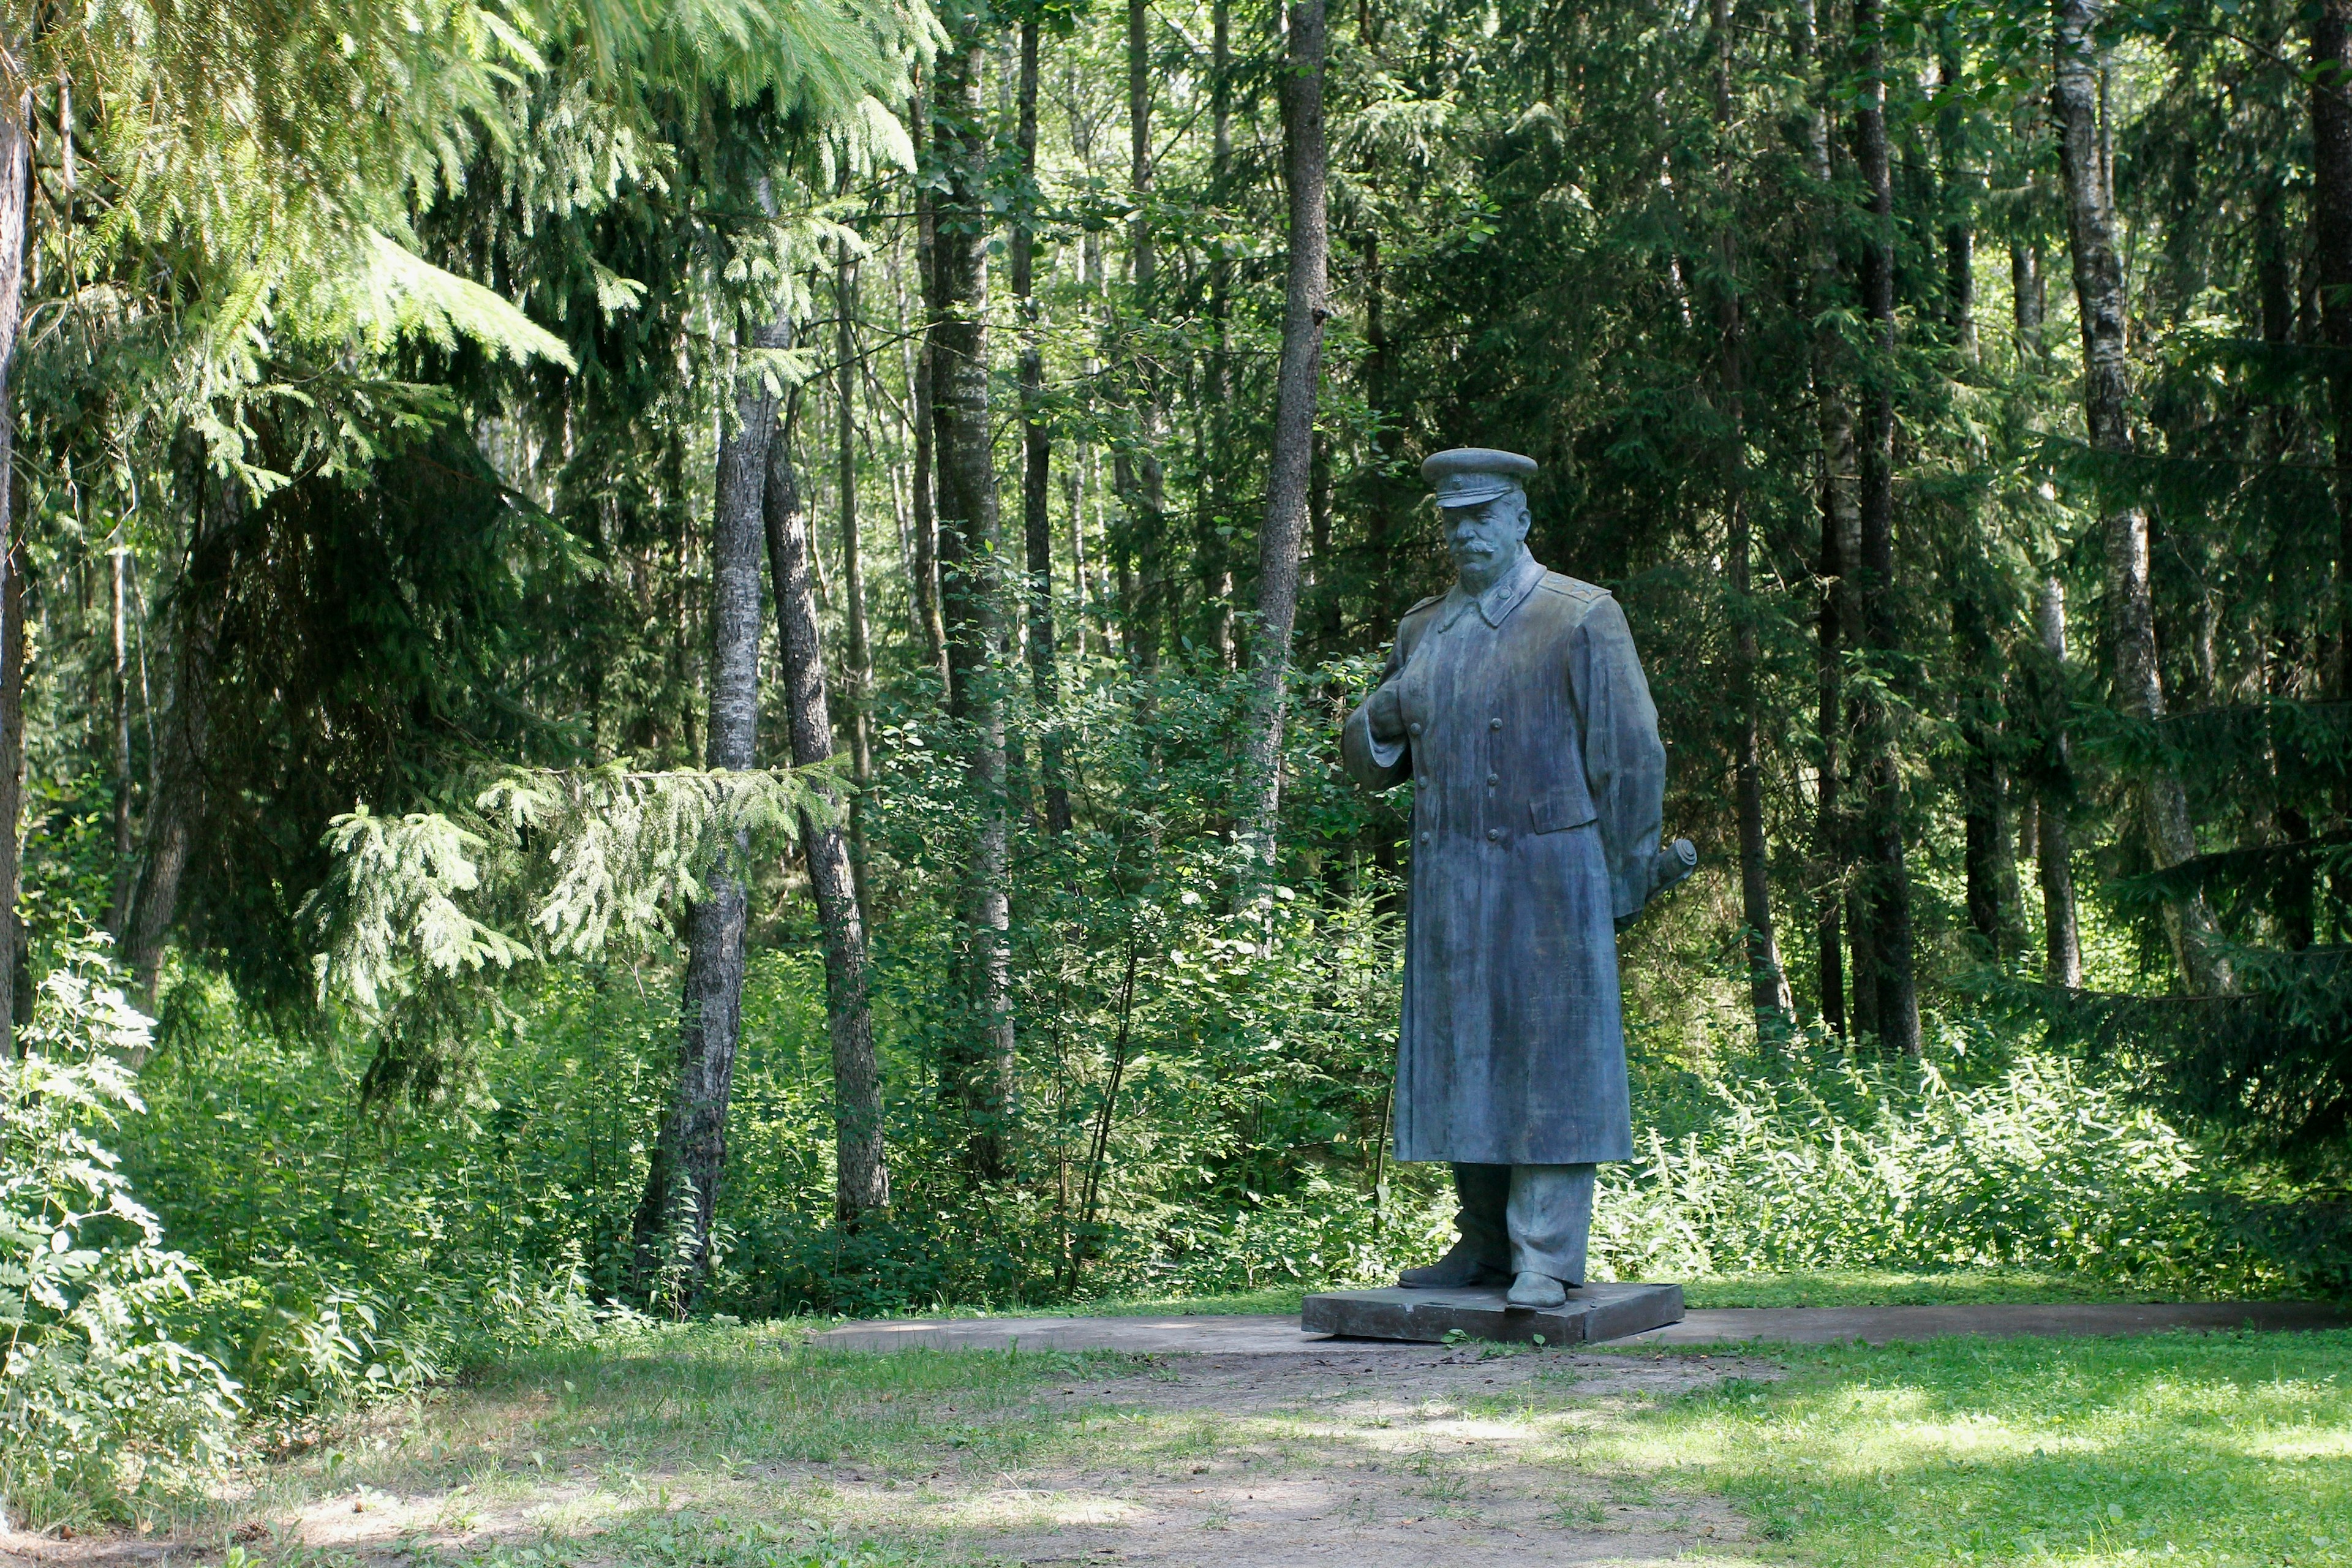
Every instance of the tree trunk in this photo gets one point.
(1887, 893)
(2138, 679)
(1291, 471)
(2331, 235)
(177, 803)
(927, 532)
(972, 591)
(1960, 183)
(118, 699)
(15, 179)
(1036, 452)
(1144, 485)
(853, 573)
(2062, 943)
(1767, 987)
(1838, 614)
(1224, 636)
(672, 1229)
(861, 1175)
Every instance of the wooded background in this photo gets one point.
(449, 442)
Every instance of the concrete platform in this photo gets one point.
(1592, 1313)
(1780, 1325)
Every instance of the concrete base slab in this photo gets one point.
(1251, 1335)
(1725, 1326)
(1592, 1313)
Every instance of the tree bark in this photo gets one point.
(1838, 612)
(972, 590)
(2137, 674)
(1885, 894)
(672, 1230)
(1291, 471)
(1036, 451)
(1768, 987)
(860, 651)
(182, 770)
(118, 699)
(1144, 488)
(16, 178)
(2061, 941)
(927, 532)
(2331, 235)
(861, 1170)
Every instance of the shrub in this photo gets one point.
(98, 1399)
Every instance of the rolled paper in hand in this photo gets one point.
(1674, 862)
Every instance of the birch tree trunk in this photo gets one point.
(2061, 941)
(1144, 487)
(1036, 449)
(926, 567)
(119, 701)
(1886, 892)
(15, 179)
(1290, 472)
(971, 582)
(861, 1172)
(2138, 675)
(860, 652)
(671, 1232)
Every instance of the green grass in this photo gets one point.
(2210, 1449)
(732, 1446)
(1897, 1287)
(1819, 1288)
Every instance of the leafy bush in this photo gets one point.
(1835, 1159)
(98, 1399)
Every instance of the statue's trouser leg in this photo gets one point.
(1549, 1217)
(1484, 1195)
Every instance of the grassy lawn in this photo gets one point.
(2206, 1448)
(736, 1447)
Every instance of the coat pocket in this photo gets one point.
(1556, 810)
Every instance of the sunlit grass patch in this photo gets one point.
(1909, 1287)
(2211, 1449)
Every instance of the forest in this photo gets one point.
(671, 660)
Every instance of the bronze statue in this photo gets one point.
(1516, 704)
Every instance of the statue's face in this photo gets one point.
(1485, 539)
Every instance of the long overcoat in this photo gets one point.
(1538, 779)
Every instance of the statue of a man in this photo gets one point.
(1516, 704)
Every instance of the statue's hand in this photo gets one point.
(1385, 712)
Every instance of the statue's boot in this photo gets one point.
(1538, 1291)
(1460, 1267)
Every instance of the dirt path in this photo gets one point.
(1395, 1460)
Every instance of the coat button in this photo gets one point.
(1493, 723)
(1493, 779)
(1413, 728)
(1494, 835)
(1424, 837)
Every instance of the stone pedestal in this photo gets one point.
(1592, 1313)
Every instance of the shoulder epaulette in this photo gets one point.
(1559, 583)
(1424, 604)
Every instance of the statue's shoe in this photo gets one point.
(1538, 1291)
(1458, 1270)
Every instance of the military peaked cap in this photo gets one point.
(1468, 476)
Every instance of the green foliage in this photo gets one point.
(1831, 1159)
(99, 1399)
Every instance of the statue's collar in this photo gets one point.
(1496, 605)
